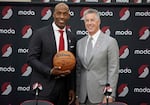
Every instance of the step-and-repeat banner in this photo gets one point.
(93, 1)
(129, 24)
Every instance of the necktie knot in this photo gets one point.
(61, 32)
(90, 39)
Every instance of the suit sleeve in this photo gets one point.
(35, 50)
(113, 65)
(78, 70)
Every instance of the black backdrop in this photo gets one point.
(128, 23)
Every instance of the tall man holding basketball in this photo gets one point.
(44, 44)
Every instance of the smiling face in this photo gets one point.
(92, 23)
(61, 15)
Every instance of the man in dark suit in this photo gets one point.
(58, 86)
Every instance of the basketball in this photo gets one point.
(64, 59)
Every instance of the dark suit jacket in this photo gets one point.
(42, 49)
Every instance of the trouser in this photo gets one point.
(59, 95)
(87, 102)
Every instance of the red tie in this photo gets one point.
(61, 40)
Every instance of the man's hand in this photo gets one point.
(77, 101)
(110, 99)
(71, 96)
(58, 72)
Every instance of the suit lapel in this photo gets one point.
(52, 39)
(70, 46)
(82, 50)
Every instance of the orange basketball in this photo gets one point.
(64, 59)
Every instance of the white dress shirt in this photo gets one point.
(57, 36)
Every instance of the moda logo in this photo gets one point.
(23, 50)
(123, 90)
(7, 69)
(148, 1)
(123, 52)
(142, 52)
(26, 13)
(144, 33)
(142, 90)
(107, 13)
(106, 30)
(23, 88)
(122, 1)
(81, 32)
(137, 1)
(7, 12)
(82, 12)
(143, 71)
(122, 32)
(124, 14)
(26, 70)
(125, 71)
(7, 31)
(142, 14)
(6, 88)
(26, 31)
(6, 50)
(46, 13)
(107, 1)
(71, 13)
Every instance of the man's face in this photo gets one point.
(91, 23)
(61, 16)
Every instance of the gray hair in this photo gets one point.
(89, 11)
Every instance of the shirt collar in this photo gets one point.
(95, 36)
(56, 28)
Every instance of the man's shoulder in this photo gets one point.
(48, 27)
(108, 36)
(82, 39)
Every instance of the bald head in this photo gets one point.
(62, 5)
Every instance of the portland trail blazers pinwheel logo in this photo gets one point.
(6, 88)
(144, 103)
(91, 0)
(44, 1)
(137, 1)
(124, 52)
(106, 1)
(123, 90)
(46, 13)
(6, 50)
(106, 30)
(26, 70)
(75, 1)
(26, 31)
(82, 12)
(144, 33)
(143, 71)
(7, 12)
(124, 14)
